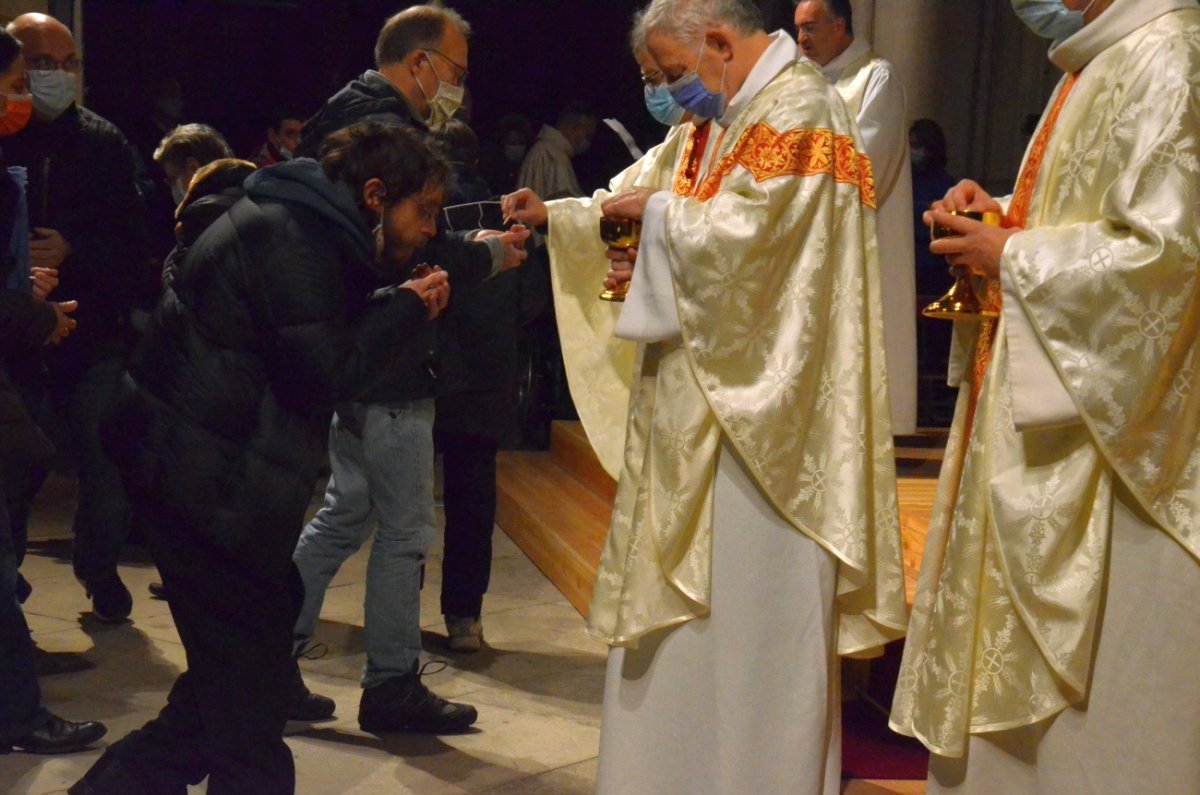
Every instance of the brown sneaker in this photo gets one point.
(464, 633)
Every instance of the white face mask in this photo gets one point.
(445, 102)
(53, 91)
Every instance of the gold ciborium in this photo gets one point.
(962, 301)
(619, 233)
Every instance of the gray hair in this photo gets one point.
(688, 19)
(637, 33)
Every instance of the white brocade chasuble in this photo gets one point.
(875, 97)
(1103, 290)
(771, 253)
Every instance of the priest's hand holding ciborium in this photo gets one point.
(966, 228)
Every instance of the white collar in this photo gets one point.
(1114, 23)
(779, 55)
(833, 70)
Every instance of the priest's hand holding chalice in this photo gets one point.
(621, 230)
(966, 230)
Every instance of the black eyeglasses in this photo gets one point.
(44, 63)
(462, 70)
(653, 79)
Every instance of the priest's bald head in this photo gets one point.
(719, 40)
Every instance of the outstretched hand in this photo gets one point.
(514, 244)
(525, 206)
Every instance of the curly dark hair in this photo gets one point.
(393, 154)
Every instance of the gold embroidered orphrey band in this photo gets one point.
(767, 153)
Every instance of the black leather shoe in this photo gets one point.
(59, 736)
(111, 600)
(403, 704)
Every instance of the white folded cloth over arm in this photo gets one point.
(1039, 398)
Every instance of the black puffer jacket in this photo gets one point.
(372, 98)
(270, 323)
(81, 183)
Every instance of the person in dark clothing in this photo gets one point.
(283, 136)
(275, 317)
(215, 188)
(88, 228)
(184, 150)
(381, 446)
(931, 182)
(26, 323)
(502, 156)
(475, 405)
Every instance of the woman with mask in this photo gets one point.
(1053, 640)
(26, 323)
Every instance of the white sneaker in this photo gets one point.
(464, 633)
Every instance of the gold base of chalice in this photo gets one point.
(962, 301)
(620, 233)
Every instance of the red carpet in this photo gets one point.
(869, 748)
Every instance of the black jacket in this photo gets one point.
(272, 321)
(81, 183)
(372, 98)
(25, 323)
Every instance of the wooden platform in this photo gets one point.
(556, 506)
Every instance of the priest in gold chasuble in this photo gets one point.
(1053, 646)
(755, 534)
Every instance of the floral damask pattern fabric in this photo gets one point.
(1012, 583)
(600, 367)
(778, 293)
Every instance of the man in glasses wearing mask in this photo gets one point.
(755, 534)
(381, 446)
(872, 92)
(1054, 642)
(88, 226)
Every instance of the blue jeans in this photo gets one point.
(382, 464)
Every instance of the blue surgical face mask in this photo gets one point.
(53, 91)
(1050, 19)
(692, 95)
(662, 105)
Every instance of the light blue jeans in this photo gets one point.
(388, 474)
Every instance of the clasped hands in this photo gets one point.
(974, 245)
(525, 206)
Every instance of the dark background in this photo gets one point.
(240, 60)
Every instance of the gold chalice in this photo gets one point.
(619, 233)
(962, 301)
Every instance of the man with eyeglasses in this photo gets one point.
(381, 446)
(88, 227)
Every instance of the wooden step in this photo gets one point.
(549, 505)
(573, 453)
(558, 522)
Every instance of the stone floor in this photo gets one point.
(537, 685)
